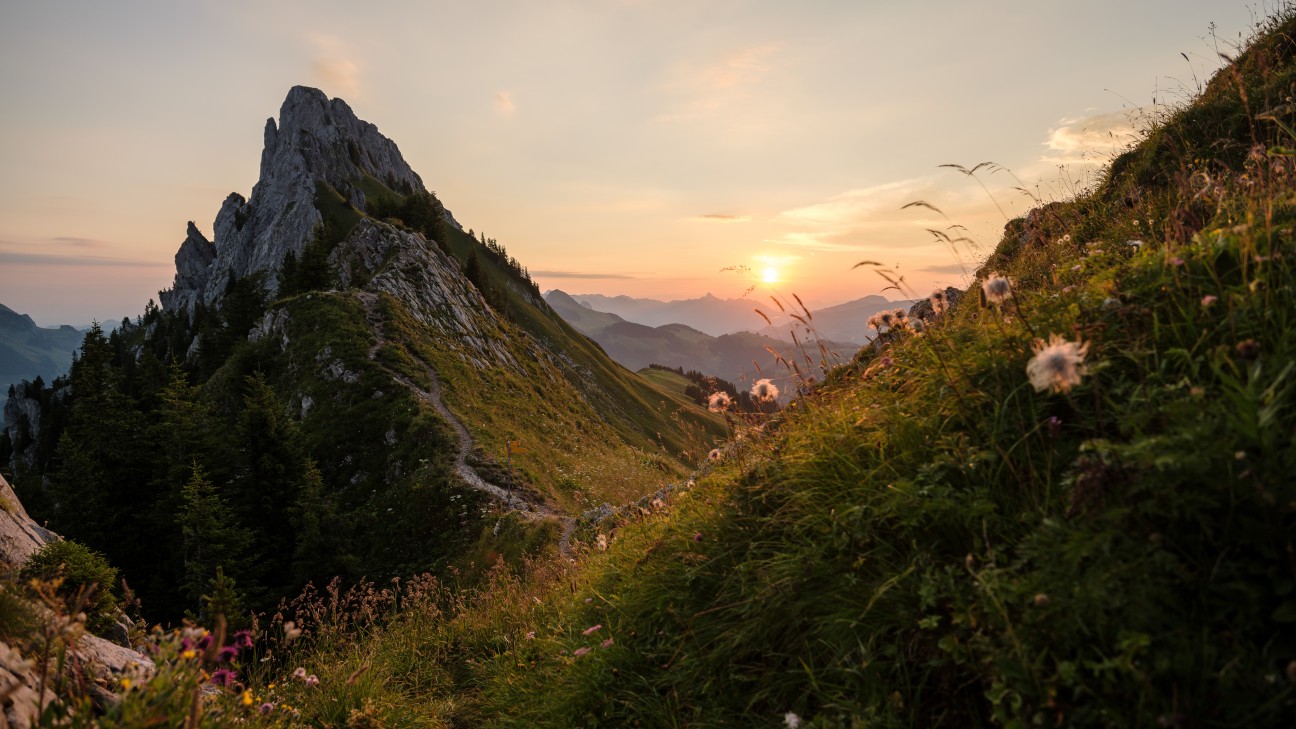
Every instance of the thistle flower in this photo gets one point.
(291, 631)
(719, 402)
(900, 318)
(886, 318)
(222, 677)
(939, 301)
(1057, 365)
(300, 674)
(714, 455)
(764, 390)
(876, 323)
(312, 680)
(917, 326)
(996, 289)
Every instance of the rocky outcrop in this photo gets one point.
(317, 142)
(20, 536)
(386, 259)
(20, 676)
(22, 423)
(923, 308)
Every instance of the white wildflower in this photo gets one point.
(996, 289)
(1057, 365)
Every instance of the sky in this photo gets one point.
(655, 148)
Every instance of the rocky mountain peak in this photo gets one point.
(317, 144)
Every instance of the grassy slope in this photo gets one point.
(600, 434)
(927, 541)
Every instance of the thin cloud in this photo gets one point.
(720, 218)
(504, 103)
(949, 268)
(333, 65)
(854, 206)
(817, 242)
(81, 242)
(581, 274)
(1091, 140)
(706, 87)
(743, 66)
(51, 259)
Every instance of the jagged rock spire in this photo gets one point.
(317, 141)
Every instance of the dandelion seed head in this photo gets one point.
(764, 390)
(997, 289)
(719, 402)
(939, 301)
(1058, 365)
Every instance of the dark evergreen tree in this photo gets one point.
(214, 540)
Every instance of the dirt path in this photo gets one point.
(432, 396)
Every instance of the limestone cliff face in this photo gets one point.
(431, 286)
(317, 140)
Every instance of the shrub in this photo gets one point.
(80, 568)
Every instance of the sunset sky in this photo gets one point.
(631, 146)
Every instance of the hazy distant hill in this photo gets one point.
(715, 316)
(635, 345)
(27, 350)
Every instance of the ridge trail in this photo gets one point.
(432, 396)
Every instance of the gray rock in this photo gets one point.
(923, 308)
(316, 141)
(22, 422)
(20, 536)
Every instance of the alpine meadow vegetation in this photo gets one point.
(1065, 499)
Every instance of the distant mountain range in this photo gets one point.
(732, 356)
(27, 350)
(716, 316)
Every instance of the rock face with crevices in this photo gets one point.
(317, 141)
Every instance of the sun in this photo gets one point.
(770, 276)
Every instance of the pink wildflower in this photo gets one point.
(580, 651)
(592, 629)
(1209, 300)
(607, 643)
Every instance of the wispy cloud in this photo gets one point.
(707, 85)
(504, 103)
(76, 242)
(581, 274)
(745, 65)
(949, 268)
(1090, 140)
(333, 65)
(720, 218)
(855, 206)
(53, 259)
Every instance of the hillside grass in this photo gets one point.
(925, 538)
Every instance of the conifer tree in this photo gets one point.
(214, 540)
